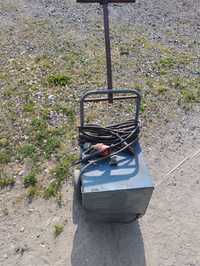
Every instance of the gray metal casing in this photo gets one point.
(117, 193)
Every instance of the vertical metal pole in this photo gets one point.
(108, 50)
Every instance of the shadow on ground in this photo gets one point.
(106, 245)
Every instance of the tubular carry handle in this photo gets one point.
(85, 98)
(104, 4)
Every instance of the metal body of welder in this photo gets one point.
(118, 192)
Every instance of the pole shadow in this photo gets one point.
(98, 244)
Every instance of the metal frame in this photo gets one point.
(108, 51)
(104, 4)
(136, 95)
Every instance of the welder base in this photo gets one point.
(116, 193)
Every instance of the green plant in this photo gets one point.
(39, 130)
(29, 107)
(60, 173)
(4, 156)
(68, 111)
(143, 106)
(59, 80)
(52, 190)
(38, 123)
(167, 62)
(177, 83)
(27, 150)
(58, 229)
(6, 182)
(30, 180)
(32, 191)
(62, 169)
(3, 142)
(51, 144)
(71, 58)
(161, 89)
(43, 61)
(188, 96)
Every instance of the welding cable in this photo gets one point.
(112, 135)
(119, 137)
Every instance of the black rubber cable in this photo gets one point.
(119, 137)
(113, 135)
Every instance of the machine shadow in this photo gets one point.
(97, 244)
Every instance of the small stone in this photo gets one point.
(22, 230)
(17, 250)
(5, 256)
(21, 173)
(21, 250)
(31, 210)
(46, 171)
(39, 94)
(51, 98)
(42, 245)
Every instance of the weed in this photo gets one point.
(184, 58)
(43, 61)
(27, 150)
(59, 80)
(71, 58)
(68, 111)
(39, 127)
(189, 89)
(51, 144)
(29, 107)
(177, 83)
(188, 96)
(143, 106)
(4, 156)
(40, 136)
(32, 191)
(167, 62)
(161, 89)
(124, 50)
(47, 138)
(59, 199)
(38, 123)
(8, 92)
(62, 169)
(6, 182)
(3, 142)
(52, 190)
(60, 174)
(30, 180)
(164, 65)
(3, 76)
(58, 229)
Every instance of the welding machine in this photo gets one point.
(113, 184)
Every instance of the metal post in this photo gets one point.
(108, 49)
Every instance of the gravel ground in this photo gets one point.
(168, 235)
